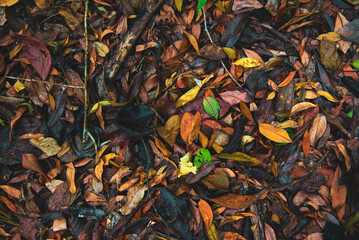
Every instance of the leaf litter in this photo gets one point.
(204, 119)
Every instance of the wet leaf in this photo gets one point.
(318, 128)
(206, 212)
(275, 134)
(190, 126)
(192, 40)
(211, 106)
(237, 156)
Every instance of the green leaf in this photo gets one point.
(237, 156)
(356, 64)
(211, 106)
(179, 4)
(1, 122)
(200, 5)
(203, 156)
(350, 114)
(102, 9)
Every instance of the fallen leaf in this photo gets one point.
(247, 62)
(338, 192)
(211, 106)
(238, 156)
(171, 129)
(232, 236)
(245, 110)
(342, 149)
(234, 97)
(332, 36)
(29, 161)
(234, 201)
(318, 128)
(101, 49)
(186, 166)
(299, 107)
(190, 126)
(134, 196)
(192, 40)
(212, 232)
(11, 191)
(8, 3)
(206, 212)
(327, 96)
(274, 134)
(306, 143)
(48, 145)
(288, 79)
(99, 170)
(70, 176)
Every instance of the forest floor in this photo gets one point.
(179, 119)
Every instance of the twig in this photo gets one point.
(309, 173)
(85, 71)
(41, 81)
(211, 40)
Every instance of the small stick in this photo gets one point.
(41, 81)
(211, 40)
(85, 72)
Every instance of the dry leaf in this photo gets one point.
(193, 41)
(48, 145)
(288, 79)
(171, 130)
(338, 192)
(190, 126)
(306, 143)
(206, 212)
(234, 201)
(134, 196)
(247, 62)
(11, 191)
(101, 49)
(245, 110)
(327, 96)
(318, 128)
(275, 134)
(301, 107)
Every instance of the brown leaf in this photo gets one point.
(134, 196)
(269, 232)
(338, 192)
(61, 199)
(342, 149)
(314, 236)
(330, 57)
(99, 170)
(206, 212)
(318, 128)
(70, 176)
(306, 143)
(30, 162)
(301, 107)
(234, 97)
(212, 52)
(75, 80)
(190, 126)
(245, 110)
(100, 117)
(171, 129)
(232, 235)
(234, 201)
(9, 203)
(48, 145)
(19, 112)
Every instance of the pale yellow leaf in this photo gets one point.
(327, 96)
(301, 107)
(230, 52)
(247, 62)
(332, 36)
(101, 49)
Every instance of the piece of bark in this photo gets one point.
(106, 80)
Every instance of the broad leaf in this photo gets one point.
(275, 134)
(203, 156)
(200, 4)
(211, 106)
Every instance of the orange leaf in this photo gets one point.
(206, 212)
(190, 126)
(105, 32)
(70, 176)
(161, 146)
(338, 192)
(232, 235)
(99, 170)
(192, 40)
(342, 149)
(11, 191)
(31, 135)
(9, 204)
(288, 79)
(318, 128)
(306, 144)
(99, 116)
(19, 113)
(234, 201)
(171, 130)
(275, 134)
(253, 54)
(245, 110)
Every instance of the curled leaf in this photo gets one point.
(186, 166)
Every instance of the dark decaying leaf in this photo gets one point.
(62, 198)
(330, 57)
(212, 52)
(256, 81)
(350, 31)
(36, 52)
(233, 31)
(285, 99)
(176, 210)
(351, 84)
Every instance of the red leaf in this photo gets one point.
(36, 52)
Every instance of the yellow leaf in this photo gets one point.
(288, 124)
(171, 130)
(7, 3)
(212, 233)
(186, 166)
(327, 96)
(104, 103)
(162, 147)
(179, 4)
(18, 86)
(342, 149)
(101, 49)
(230, 52)
(271, 96)
(191, 94)
(332, 36)
(275, 134)
(106, 159)
(220, 6)
(192, 40)
(247, 62)
(301, 107)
